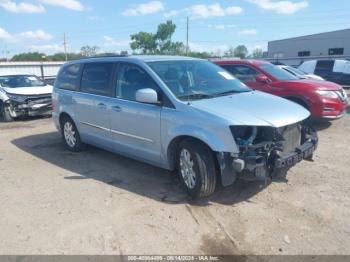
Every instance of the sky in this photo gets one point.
(214, 26)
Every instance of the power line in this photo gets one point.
(187, 47)
(65, 46)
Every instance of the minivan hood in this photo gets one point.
(30, 90)
(253, 109)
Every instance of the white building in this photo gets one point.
(293, 51)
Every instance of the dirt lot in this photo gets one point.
(56, 202)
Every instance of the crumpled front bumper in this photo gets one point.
(264, 166)
(18, 109)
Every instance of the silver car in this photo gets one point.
(182, 114)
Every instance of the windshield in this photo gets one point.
(197, 79)
(277, 72)
(16, 81)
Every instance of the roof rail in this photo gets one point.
(98, 56)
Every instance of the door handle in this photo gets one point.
(101, 105)
(116, 108)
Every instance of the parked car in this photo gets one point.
(325, 100)
(182, 114)
(300, 74)
(337, 71)
(23, 95)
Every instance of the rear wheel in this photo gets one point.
(5, 115)
(70, 135)
(196, 168)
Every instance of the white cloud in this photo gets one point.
(38, 35)
(68, 4)
(34, 35)
(21, 7)
(50, 48)
(207, 11)
(211, 48)
(171, 13)
(4, 35)
(110, 42)
(221, 26)
(144, 9)
(281, 7)
(248, 32)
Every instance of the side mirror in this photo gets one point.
(147, 96)
(262, 79)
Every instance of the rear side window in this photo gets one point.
(96, 78)
(69, 77)
(242, 72)
(324, 66)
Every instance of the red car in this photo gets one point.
(323, 99)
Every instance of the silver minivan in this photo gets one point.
(181, 114)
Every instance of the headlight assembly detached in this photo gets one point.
(17, 98)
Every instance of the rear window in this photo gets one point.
(68, 77)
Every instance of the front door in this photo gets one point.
(135, 126)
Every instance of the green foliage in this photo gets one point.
(146, 42)
(158, 43)
(30, 56)
(257, 53)
(240, 51)
(87, 51)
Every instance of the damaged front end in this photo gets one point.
(265, 151)
(28, 105)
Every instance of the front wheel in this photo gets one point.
(196, 168)
(70, 135)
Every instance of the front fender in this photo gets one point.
(3, 95)
(218, 141)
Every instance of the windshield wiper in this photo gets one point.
(230, 92)
(196, 96)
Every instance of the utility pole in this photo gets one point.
(187, 47)
(65, 46)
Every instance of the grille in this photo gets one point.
(292, 137)
(38, 99)
(342, 95)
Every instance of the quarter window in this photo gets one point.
(324, 66)
(96, 78)
(69, 77)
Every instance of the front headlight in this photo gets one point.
(330, 94)
(17, 98)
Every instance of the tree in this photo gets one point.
(145, 42)
(30, 56)
(257, 53)
(87, 50)
(230, 52)
(240, 51)
(62, 56)
(158, 43)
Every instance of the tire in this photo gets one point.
(196, 168)
(70, 135)
(5, 115)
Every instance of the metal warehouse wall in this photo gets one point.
(41, 69)
(317, 44)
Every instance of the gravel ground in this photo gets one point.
(56, 202)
